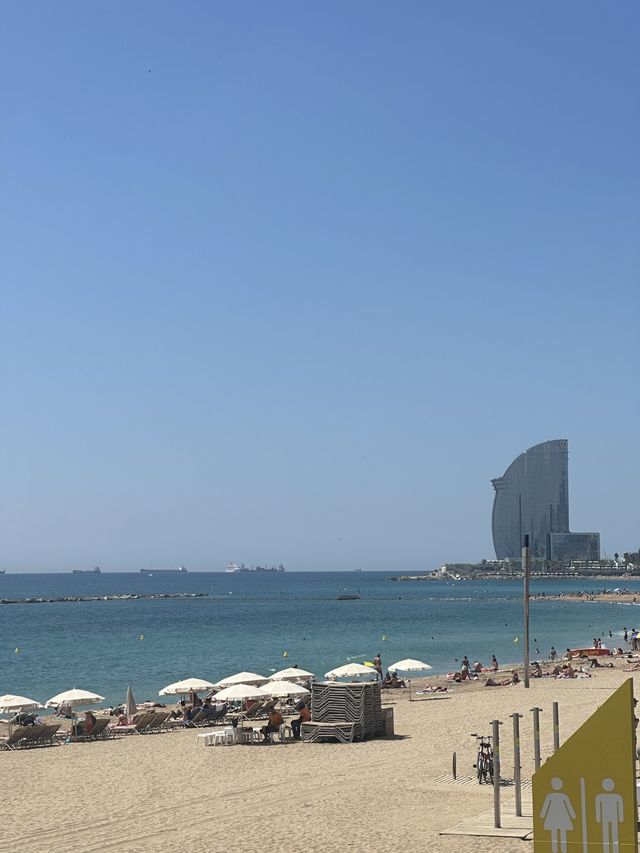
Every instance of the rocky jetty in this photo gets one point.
(123, 597)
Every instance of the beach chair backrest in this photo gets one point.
(18, 734)
(161, 718)
(99, 727)
(255, 709)
(35, 733)
(50, 732)
(144, 722)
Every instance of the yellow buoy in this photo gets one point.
(17, 650)
(384, 637)
(141, 637)
(516, 639)
(285, 654)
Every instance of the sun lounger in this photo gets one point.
(157, 723)
(98, 732)
(255, 709)
(138, 725)
(267, 708)
(211, 719)
(14, 740)
(314, 732)
(48, 736)
(27, 736)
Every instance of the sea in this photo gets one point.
(265, 622)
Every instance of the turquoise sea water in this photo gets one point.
(249, 621)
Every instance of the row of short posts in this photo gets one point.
(517, 778)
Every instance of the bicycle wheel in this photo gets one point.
(481, 769)
(490, 770)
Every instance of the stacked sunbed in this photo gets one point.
(344, 711)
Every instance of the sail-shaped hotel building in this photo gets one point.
(532, 496)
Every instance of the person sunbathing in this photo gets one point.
(536, 670)
(568, 671)
(515, 679)
(89, 721)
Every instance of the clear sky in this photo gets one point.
(292, 282)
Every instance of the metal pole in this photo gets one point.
(536, 737)
(517, 781)
(496, 773)
(526, 567)
(556, 727)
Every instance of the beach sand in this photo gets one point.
(158, 792)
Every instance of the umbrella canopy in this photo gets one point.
(9, 704)
(238, 692)
(130, 704)
(198, 685)
(351, 670)
(290, 674)
(409, 665)
(284, 688)
(241, 678)
(74, 697)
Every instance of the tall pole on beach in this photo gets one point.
(526, 570)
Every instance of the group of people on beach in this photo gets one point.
(388, 681)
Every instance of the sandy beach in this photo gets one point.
(143, 793)
(624, 597)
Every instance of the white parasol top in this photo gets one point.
(74, 697)
(238, 692)
(284, 688)
(10, 703)
(409, 665)
(241, 678)
(198, 685)
(291, 673)
(351, 670)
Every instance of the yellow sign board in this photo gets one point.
(584, 795)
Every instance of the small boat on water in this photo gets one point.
(347, 596)
(589, 653)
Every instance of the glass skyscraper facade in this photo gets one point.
(532, 496)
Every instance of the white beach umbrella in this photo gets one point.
(74, 697)
(291, 673)
(239, 692)
(181, 688)
(285, 688)
(351, 670)
(241, 678)
(10, 704)
(409, 665)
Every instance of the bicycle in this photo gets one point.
(484, 759)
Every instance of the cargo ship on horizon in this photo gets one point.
(234, 568)
(179, 571)
(96, 570)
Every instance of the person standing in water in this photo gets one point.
(377, 662)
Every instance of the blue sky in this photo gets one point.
(293, 282)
